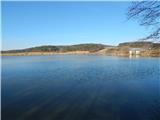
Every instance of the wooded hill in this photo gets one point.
(140, 44)
(149, 49)
(66, 48)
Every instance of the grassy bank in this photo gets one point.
(149, 49)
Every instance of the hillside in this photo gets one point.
(59, 49)
(149, 49)
(139, 44)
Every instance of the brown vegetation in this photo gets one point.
(149, 49)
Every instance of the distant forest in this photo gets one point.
(87, 47)
(66, 48)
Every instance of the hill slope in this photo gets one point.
(69, 48)
(149, 49)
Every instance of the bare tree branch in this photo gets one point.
(148, 14)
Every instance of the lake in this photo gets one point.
(80, 87)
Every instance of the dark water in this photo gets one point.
(80, 87)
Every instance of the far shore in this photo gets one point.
(43, 53)
(144, 54)
(137, 48)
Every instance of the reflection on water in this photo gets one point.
(80, 87)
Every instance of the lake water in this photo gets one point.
(80, 87)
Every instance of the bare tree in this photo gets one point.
(148, 14)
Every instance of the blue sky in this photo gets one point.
(28, 24)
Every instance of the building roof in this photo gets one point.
(136, 49)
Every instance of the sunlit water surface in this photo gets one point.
(80, 87)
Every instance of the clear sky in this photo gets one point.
(28, 24)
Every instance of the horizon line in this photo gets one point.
(72, 44)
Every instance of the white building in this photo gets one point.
(135, 51)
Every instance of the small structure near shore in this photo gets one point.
(135, 51)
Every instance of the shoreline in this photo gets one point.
(44, 53)
(146, 49)
(78, 53)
